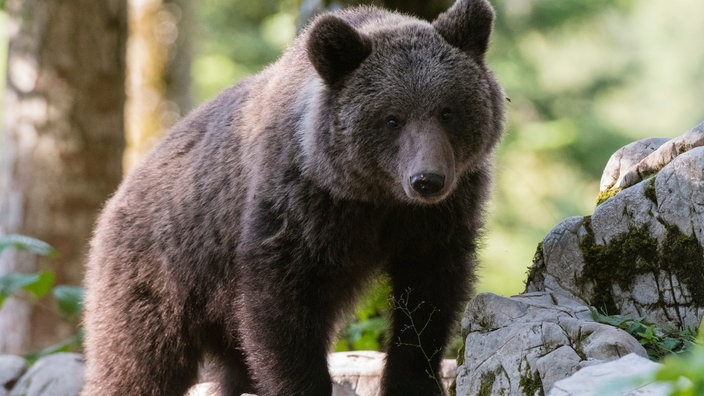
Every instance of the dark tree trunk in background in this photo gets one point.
(425, 9)
(62, 144)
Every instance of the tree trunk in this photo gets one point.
(424, 9)
(62, 145)
(158, 69)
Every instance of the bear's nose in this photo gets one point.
(427, 184)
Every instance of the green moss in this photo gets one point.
(610, 192)
(460, 361)
(683, 256)
(530, 383)
(578, 343)
(487, 384)
(650, 191)
(536, 272)
(460, 354)
(605, 265)
(606, 194)
(638, 252)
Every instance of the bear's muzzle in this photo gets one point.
(427, 184)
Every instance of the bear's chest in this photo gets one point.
(322, 230)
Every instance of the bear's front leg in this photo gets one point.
(427, 295)
(286, 316)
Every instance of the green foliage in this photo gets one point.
(658, 341)
(369, 327)
(238, 38)
(684, 373)
(71, 344)
(38, 285)
(366, 334)
(21, 242)
(69, 299)
(555, 14)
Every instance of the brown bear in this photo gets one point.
(248, 232)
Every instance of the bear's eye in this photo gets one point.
(446, 114)
(392, 122)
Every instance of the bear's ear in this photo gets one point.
(336, 49)
(467, 26)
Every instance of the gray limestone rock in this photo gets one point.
(11, 369)
(60, 374)
(639, 254)
(356, 373)
(626, 158)
(608, 378)
(526, 343)
(662, 156)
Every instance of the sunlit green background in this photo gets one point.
(584, 77)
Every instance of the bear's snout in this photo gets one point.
(427, 184)
(426, 164)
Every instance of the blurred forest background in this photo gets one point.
(92, 85)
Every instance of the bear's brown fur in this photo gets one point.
(248, 232)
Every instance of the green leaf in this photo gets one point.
(657, 341)
(636, 328)
(69, 299)
(366, 334)
(669, 344)
(70, 344)
(38, 284)
(341, 345)
(42, 285)
(22, 242)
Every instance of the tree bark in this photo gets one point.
(158, 69)
(424, 9)
(62, 144)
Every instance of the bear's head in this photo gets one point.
(409, 106)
